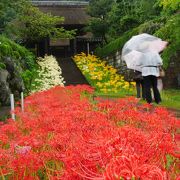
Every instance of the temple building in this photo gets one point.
(76, 17)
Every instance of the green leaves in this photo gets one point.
(8, 11)
(23, 22)
(36, 25)
(19, 53)
(170, 32)
(99, 24)
(170, 4)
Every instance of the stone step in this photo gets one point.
(71, 73)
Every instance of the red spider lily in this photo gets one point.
(63, 135)
(130, 166)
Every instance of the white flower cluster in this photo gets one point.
(50, 74)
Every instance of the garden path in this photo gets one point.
(71, 73)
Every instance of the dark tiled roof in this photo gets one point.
(59, 2)
(72, 14)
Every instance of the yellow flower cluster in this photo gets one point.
(100, 75)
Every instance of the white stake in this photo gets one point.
(12, 106)
(22, 101)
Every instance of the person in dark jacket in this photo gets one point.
(140, 89)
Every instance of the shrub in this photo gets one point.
(115, 45)
(170, 32)
(23, 59)
(20, 54)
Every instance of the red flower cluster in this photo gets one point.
(63, 134)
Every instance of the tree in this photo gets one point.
(98, 25)
(111, 18)
(170, 4)
(8, 11)
(127, 14)
(33, 25)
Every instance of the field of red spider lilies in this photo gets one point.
(64, 134)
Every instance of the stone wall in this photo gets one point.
(116, 61)
(10, 82)
(172, 78)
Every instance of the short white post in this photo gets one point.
(22, 102)
(12, 106)
(88, 48)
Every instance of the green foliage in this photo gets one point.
(20, 54)
(170, 4)
(99, 24)
(33, 25)
(23, 59)
(28, 79)
(152, 26)
(100, 8)
(118, 17)
(2, 65)
(171, 98)
(5, 49)
(98, 27)
(170, 32)
(7, 11)
(115, 45)
(126, 15)
(166, 28)
(29, 23)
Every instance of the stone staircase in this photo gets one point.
(71, 73)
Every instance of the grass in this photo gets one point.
(170, 97)
(120, 94)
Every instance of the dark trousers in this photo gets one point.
(140, 89)
(151, 81)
